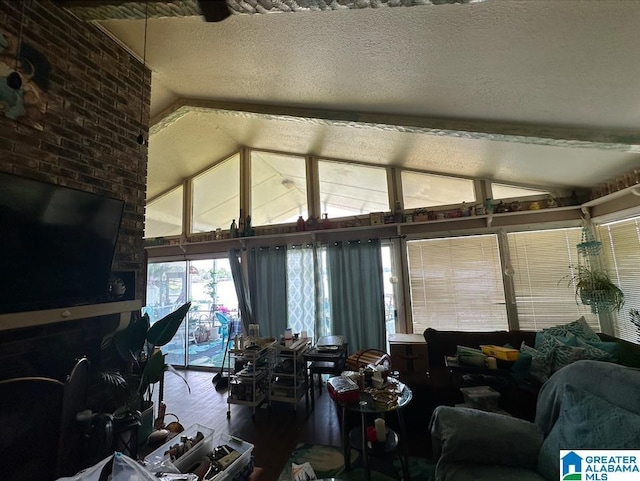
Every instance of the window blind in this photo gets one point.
(621, 255)
(543, 294)
(456, 284)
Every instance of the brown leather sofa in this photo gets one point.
(518, 394)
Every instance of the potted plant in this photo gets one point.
(594, 288)
(141, 365)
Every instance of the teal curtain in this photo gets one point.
(242, 293)
(268, 289)
(356, 293)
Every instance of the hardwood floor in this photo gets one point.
(274, 431)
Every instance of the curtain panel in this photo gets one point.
(267, 269)
(307, 310)
(242, 292)
(356, 293)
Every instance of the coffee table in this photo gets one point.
(367, 406)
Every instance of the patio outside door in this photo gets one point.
(213, 317)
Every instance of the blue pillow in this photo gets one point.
(578, 328)
(586, 422)
(520, 369)
(611, 348)
(541, 362)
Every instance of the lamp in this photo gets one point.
(140, 139)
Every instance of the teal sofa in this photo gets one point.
(584, 405)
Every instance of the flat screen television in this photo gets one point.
(56, 245)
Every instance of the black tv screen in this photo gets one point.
(56, 245)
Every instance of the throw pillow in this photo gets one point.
(586, 422)
(591, 351)
(540, 362)
(521, 368)
(567, 349)
(578, 328)
(612, 348)
(568, 340)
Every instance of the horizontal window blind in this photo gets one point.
(621, 255)
(456, 284)
(543, 294)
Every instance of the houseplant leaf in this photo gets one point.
(153, 369)
(130, 341)
(163, 330)
(172, 369)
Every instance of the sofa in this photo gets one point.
(584, 405)
(518, 389)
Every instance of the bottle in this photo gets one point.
(397, 213)
(247, 227)
(312, 223)
(233, 229)
(241, 224)
(326, 223)
(300, 224)
(488, 205)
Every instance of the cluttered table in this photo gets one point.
(377, 438)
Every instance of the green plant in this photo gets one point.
(142, 361)
(634, 317)
(594, 288)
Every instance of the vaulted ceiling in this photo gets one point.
(542, 92)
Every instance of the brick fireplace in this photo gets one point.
(87, 141)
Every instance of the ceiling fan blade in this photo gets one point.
(214, 10)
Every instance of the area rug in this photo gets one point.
(328, 462)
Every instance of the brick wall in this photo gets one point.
(88, 142)
(91, 122)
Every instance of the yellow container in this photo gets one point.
(502, 353)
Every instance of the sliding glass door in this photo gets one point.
(213, 318)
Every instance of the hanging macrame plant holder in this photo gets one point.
(588, 246)
(594, 288)
(599, 301)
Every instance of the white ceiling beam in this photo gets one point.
(556, 136)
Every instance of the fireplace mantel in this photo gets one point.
(19, 320)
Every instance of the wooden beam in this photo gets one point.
(98, 10)
(550, 135)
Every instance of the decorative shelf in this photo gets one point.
(552, 214)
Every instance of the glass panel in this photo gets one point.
(540, 263)
(278, 188)
(351, 189)
(428, 190)
(216, 196)
(164, 215)
(503, 191)
(213, 318)
(456, 284)
(166, 291)
(389, 281)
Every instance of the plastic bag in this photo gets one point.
(126, 469)
(89, 474)
(302, 472)
(123, 469)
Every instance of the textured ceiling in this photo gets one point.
(540, 92)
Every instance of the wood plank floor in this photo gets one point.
(274, 431)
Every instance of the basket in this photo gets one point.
(366, 357)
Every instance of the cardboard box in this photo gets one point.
(502, 353)
(408, 353)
